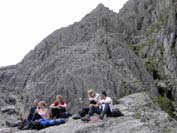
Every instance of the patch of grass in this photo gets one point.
(137, 115)
(151, 65)
(150, 42)
(166, 105)
(166, 130)
(139, 47)
(156, 27)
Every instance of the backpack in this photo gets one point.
(43, 123)
(66, 115)
(116, 113)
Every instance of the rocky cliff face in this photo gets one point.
(151, 26)
(122, 53)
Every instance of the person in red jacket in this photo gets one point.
(58, 108)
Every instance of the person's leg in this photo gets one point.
(30, 116)
(54, 112)
(105, 110)
(83, 112)
(24, 123)
(94, 110)
(91, 111)
(98, 110)
(36, 116)
(29, 124)
(60, 113)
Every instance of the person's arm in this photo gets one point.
(63, 106)
(53, 106)
(47, 114)
(108, 100)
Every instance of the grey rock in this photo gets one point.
(156, 120)
(121, 53)
(9, 110)
(88, 54)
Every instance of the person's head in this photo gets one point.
(91, 93)
(35, 102)
(42, 104)
(59, 98)
(103, 95)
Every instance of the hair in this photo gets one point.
(36, 101)
(103, 93)
(91, 91)
(60, 97)
(43, 103)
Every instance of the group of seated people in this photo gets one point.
(100, 104)
(39, 111)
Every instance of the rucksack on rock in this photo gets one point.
(116, 113)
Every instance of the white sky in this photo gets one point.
(24, 23)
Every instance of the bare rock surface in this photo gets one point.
(141, 115)
(123, 53)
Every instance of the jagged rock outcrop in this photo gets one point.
(87, 54)
(151, 25)
(123, 53)
(141, 115)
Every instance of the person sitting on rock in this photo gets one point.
(94, 106)
(25, 120)
(41, 112)
(107, 105)
(58, 108)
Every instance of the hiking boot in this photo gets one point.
(9, 124)
(87, 118)
(76, 117)
(101, 116)
(26, 127)
(21, 127)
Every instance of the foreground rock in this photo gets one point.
(142, 115)
(122, 53)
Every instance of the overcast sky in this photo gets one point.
(24, 23)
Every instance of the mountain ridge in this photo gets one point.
(124, 53)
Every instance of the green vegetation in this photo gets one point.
(137, 115)
(166, 130)
(166, 105)
(156, 27)
(138, 48)
(151, 65)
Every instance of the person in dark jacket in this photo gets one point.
(25, 120)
